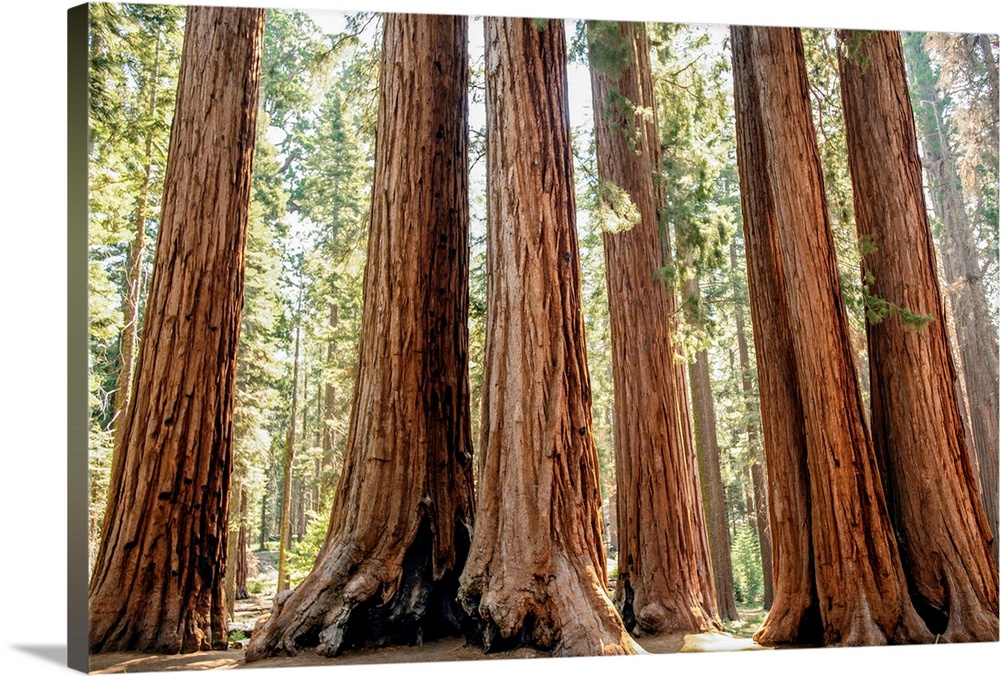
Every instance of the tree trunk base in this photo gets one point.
(354, 599)
(654, 618)
(968, 618)
(567, 613)
(789, 623)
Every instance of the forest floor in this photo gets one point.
(444, 650)
(736, 637)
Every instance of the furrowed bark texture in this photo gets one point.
(536, 574)
(859, 581)
(402, 515)
(975, 334)
(916, 428)
(664, 570)
(794, 615)
(157, 585)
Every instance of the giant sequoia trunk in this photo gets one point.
(402, 515)
(794, 615)
(536, 573)
(916, 427)
(660, 523)
(974, 330)
(857, 575)
(158, 581)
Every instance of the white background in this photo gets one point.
(33, 312)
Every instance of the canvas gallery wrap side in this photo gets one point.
(421, 337)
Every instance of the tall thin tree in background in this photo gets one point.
(857, 576)
(660, 520)
(157, 584)
(402, 515)
(757, 473)
(916, 428)
(536, 571)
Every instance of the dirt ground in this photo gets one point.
(247, 612)
(445, 650)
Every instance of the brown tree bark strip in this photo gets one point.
(402, 515)
(794, 615)
(287, 463)
(157, 585)
(536, 572)
(975, 334)
(916, 427)
(242, 549)
(710, 472)
(859, 578)
(660, 522)
(329, 404)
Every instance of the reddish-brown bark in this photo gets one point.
(402, 515)
(856, 576)
(974, 341)
(158, 583)
(660, 521)
(536, 572)
(916, 426)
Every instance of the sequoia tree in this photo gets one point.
(856, 574)
(794, 614)
(975, 334)
(536, 571)
(402, 515)
(916, 427)
(157, 584)
(660, 520)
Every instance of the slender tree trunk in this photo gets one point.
(242, 550)
(402, 515)
(158, 581)
(285, 520)
(916, 427)
(975, 333)
(133, 283)
(660, 522)
(329, 404)
(857, 575)
(760, 498)
(536, 571)
(263, 516)
(710, 473)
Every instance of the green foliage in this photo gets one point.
(853, 47)
(614, 210)
(303, 554)
(748, 578)
(609, 49)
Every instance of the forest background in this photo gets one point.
(34, 269)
